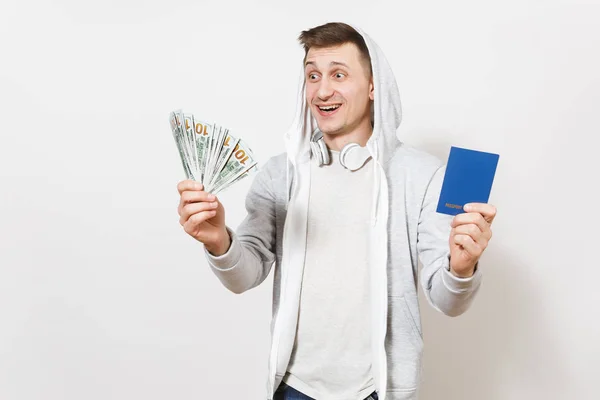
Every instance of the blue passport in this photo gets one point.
(468, 179)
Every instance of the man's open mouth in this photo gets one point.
(329, 108)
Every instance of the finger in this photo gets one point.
(470, 218)
(189, 184)
(194, 208)
(473, 231)
(195, 220)
(469, 245)
(487, 210)
(193, 196)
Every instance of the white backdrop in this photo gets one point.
(103, 296)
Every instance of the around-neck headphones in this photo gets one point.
(352, 156)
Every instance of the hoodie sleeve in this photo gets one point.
(445, 292)
(251, 254)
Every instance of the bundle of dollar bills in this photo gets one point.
(210, 154)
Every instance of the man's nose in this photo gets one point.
(325, 89)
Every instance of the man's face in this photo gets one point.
(339, 88)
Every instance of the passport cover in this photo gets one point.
(468, 179)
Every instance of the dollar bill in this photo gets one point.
(175, 122)
(216, 145)
(210, 153)
(226, 185)
(202, 131)
(188, 129)
(239, 162)
(184, 138)
(228, 146)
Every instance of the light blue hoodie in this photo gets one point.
(405, 228)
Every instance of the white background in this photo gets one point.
(103, 296)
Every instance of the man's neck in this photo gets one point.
(360, 135)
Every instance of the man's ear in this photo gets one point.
(371, 89)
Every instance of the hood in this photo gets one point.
(387, 112)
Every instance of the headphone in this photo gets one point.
(352, 156)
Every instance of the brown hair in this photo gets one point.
(334, 34)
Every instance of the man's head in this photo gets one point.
(339, 78)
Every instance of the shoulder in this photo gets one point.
(271, 175)
(410, 156)
(414, 161)
(275, 167)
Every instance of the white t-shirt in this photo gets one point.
(331, 358)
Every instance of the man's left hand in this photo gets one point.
(469, 237)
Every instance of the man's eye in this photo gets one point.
(340, 75)
(312, 76)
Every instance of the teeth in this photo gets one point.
(328, 108)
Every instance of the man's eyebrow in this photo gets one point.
(330, 64)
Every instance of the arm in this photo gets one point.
(445, 291)
(251, 253)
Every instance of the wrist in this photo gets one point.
(467, 273)
(219, 246)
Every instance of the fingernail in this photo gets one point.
(211, 197)
(467, 207)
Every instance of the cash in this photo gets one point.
(210, 153)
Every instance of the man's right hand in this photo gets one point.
(203, 217)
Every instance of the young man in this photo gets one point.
(345, 214)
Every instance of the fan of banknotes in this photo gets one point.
(210, 154)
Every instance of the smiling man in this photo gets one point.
(344, 215)
(338, 100)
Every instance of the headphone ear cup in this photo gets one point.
(319, 148)
(324, 151)
(316, 152)
(345, 150)
(353, 156)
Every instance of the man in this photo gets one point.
(345, 214)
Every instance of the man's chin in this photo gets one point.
(328, 129)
